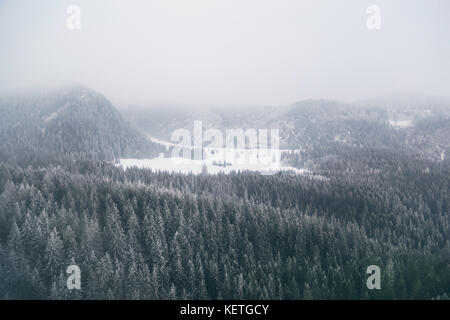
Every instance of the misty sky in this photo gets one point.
(218, 52)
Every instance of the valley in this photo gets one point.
(83, 184)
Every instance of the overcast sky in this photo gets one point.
(218, 52)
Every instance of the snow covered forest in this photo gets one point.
(142, 234)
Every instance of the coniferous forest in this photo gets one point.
(142, 234)
(226, 156)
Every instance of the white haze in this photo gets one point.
(219, 52)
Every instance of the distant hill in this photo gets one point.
(73, 120)
(417, 125)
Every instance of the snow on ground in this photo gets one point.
(168, 145)
(53, 115)
(213, 166)
(216, 160)
(161, 142)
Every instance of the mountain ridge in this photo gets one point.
(69, 120)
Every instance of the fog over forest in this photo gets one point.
(214, 52)
(136, 163)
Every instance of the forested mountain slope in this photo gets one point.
(417, 126)
(137, 234)
(73, 120)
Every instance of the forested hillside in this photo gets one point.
(139, 234)
(419, 126)
(75, 120)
